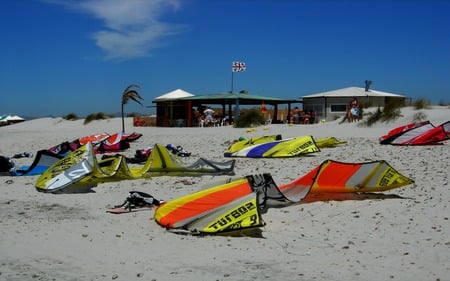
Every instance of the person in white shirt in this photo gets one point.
(209, 116)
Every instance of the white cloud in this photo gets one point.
(132, 27)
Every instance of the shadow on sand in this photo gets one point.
(310, 198)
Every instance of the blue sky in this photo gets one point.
(77, 56)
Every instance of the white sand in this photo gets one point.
(71, 237)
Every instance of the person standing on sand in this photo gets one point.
(305, 117)
(353, 110)
(209, 116)
(296, 115)
(312, 118)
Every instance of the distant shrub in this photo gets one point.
(96, 116)
(71, 117)
(443, 103)
(391, 111)
(421, 103)
(250, 118)
(133, 114)
(419, 116)
(373, 118)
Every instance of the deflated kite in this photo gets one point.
(237, 204)
(420, 133)
(81, 169)
(275, 146)
(43, 160)
(102, 142)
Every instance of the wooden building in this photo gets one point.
(177, 109)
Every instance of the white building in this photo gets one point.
(10, 119)
(332, 105)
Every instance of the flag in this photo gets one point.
(238, 66)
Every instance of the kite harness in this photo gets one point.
(138, 199)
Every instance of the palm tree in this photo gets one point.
(126, 96)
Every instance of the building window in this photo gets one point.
(338, 108)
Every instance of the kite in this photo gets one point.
(103, 142)
(274, 146)
(43, 160)
(80, 170)
(117, 142)
(328, 142)
(236, 205)
(420, 133)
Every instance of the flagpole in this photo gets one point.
(232, 76)
(239, 67)
(237, 108)
(236, 111)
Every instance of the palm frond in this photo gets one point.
(127, 95)
(129, 87)
(131, 95)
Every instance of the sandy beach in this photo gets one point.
(403, 234)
